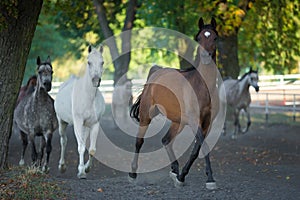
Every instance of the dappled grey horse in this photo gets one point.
(35, 116)
(238, 97)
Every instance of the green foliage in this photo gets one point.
(7, 10)
(47, 41)
(268, 31)
(270, 36)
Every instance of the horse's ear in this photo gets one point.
(213, 23)
(101, 48)
(90, 48)
(38, 60)
(200, 23)
(250, 70)
(48, 59)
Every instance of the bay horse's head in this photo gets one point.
(95, 65)
(253, 79)
(207, 38)
(45, 72)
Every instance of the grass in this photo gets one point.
(28, 183)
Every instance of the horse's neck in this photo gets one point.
(243, 85)
(86, 87)
(209, 74)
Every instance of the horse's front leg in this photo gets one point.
(236, 123)
(24, 143)
(199, 140)
(40, 154)
(63, 143)
(167, 141)
(33, 149)
(92, 149)
(81, 135)
(248, 121)
(48, 139)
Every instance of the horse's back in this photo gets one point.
(63, 101)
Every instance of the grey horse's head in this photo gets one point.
(253, 79)
(44, 70)
(95, 65)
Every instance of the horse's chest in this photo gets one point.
(40, 117)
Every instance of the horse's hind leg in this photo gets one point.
(167, 141)
(24, 144)
(138, 146)
(63, 142)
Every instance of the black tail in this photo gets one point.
(135, 109)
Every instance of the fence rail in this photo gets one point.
(280, 93)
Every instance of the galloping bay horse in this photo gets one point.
(185, 98)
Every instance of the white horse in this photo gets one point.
(122, 100)
(79, 102)
(238, 97)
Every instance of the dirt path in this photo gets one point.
(263, 164)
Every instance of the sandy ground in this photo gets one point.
(262, 164)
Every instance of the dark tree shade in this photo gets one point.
(18, 23)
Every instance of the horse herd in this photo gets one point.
(185, 97)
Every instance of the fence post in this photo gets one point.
(267, 107)
(294, 107)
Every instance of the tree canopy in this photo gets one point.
(267, 32)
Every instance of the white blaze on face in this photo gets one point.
(207, 34)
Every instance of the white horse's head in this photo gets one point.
(253, 79)
(95, 65)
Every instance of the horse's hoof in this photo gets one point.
(22, 163)
(131, 179)
(81, 175)
(62, 168)
(87, 169)
(45, 169)
(211, 185)
(173, 175)
(234, 137)
(178, 184)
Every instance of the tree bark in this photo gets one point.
(15, 42)
(228, 56)
(120, 60)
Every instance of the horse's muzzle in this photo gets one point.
(257, 88)
(96, 81)
(47, 86)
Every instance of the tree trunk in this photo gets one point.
(120, 60)
(15, 42)
(228, 56)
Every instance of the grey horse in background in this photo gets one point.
(238, 97)
(35, 116)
